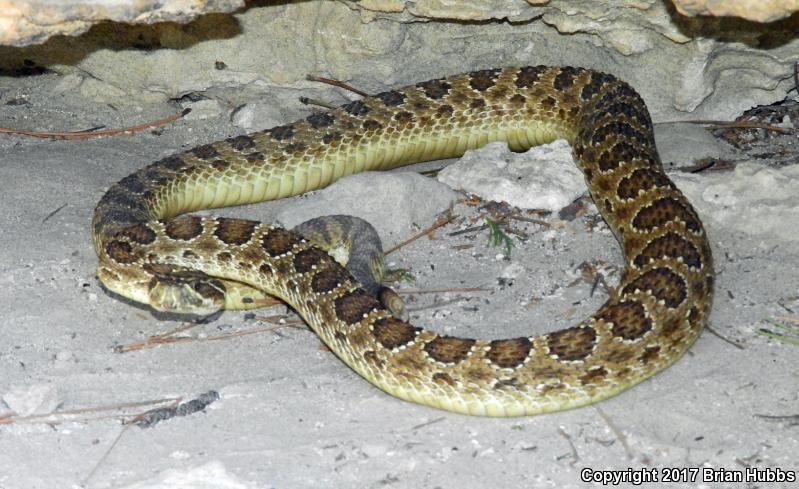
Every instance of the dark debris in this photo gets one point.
(781, 146)
(155, 416)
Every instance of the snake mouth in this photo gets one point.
(181, 291)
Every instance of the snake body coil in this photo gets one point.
(659, 309)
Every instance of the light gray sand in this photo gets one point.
(291, 415)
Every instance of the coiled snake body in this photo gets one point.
(192, 263)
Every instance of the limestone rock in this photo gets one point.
(754, 199)
(545, 177)
(684, 67)
(24, 22)
(515, 10)
(757, 10)
(394, 203)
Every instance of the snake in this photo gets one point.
(152, 250)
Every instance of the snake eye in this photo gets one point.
(211, 289)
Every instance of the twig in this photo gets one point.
(575, 456)
(517, 217)
(594, 285)
(439, 291)
(462, 247)
(105, 455)
(469, 230)
(336, 83)
(48, 216)
(792, 419)
(428, 423)
(274, 318)
(168, 338)
(519, 234)
(502, 222)
(53, 418)
(434, 305)
(442, 220)
(92, 133)
(616, 431)
(155, 339)
(738, 125)
(716, 333)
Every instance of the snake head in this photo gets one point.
(185, 291)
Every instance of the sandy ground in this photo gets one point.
(291, 415)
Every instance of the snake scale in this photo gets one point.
(658, 310)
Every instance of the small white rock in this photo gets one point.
(374, 450)
(180, 455)
(34, 399)
(64, 358)
(545, 177)
(394, 203)
(211, 475)
(512, 271)
(203, 109)
(258, 115)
